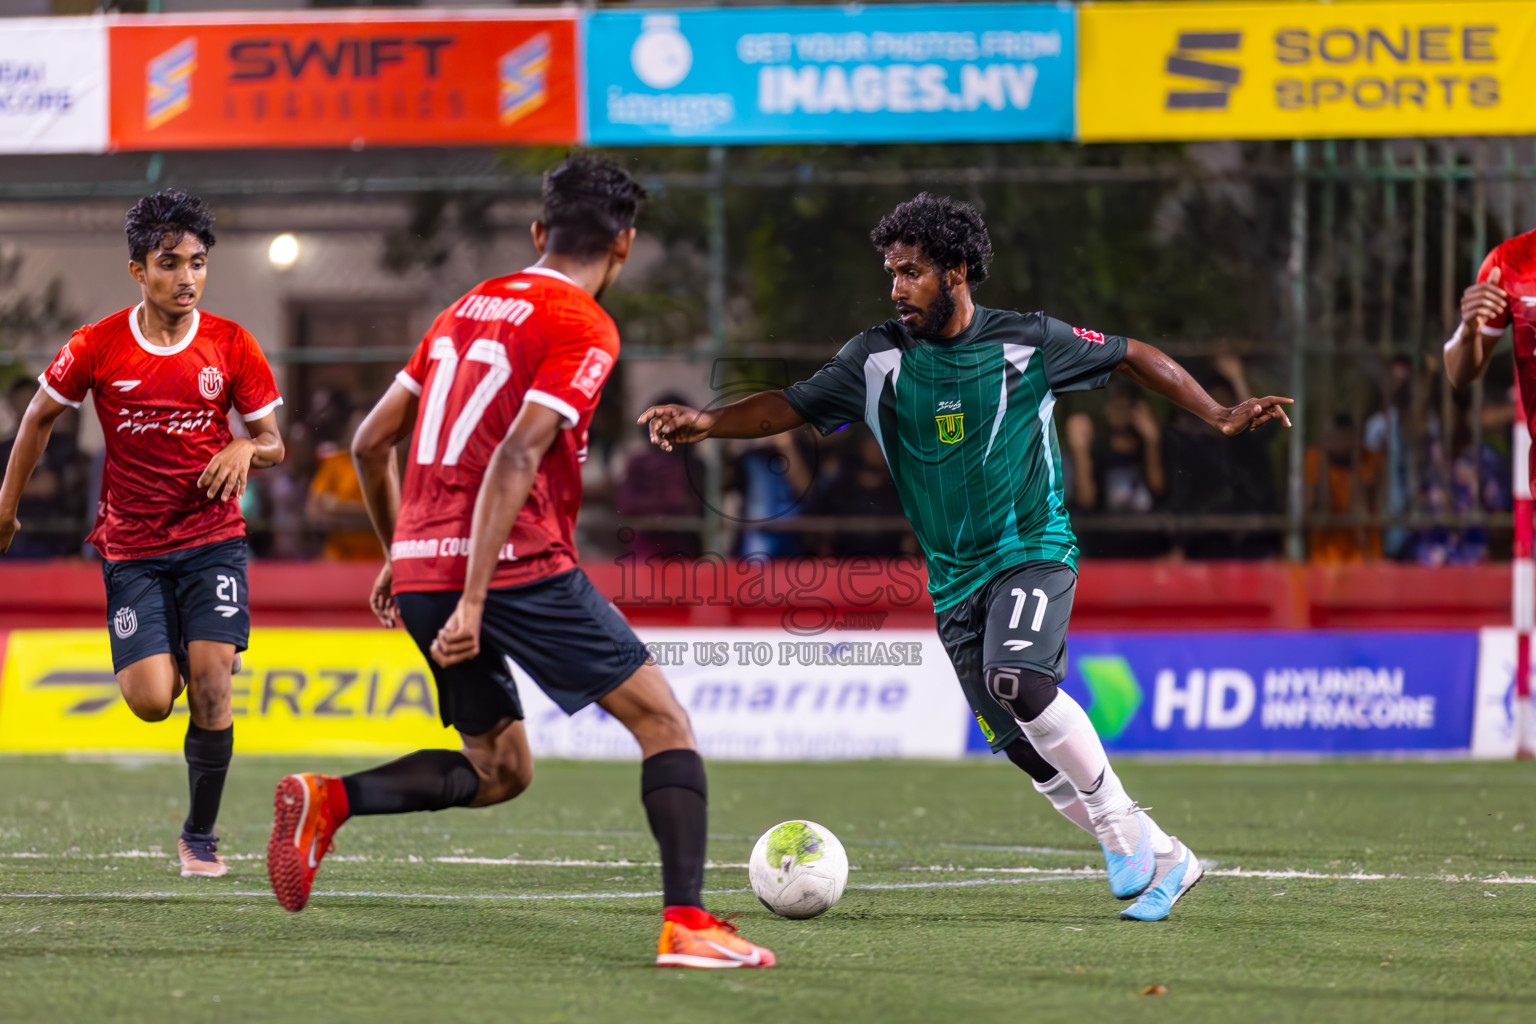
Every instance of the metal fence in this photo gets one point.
(1359, 249)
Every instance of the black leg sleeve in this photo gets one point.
(428, 780)
(675, 792)
(208, 752)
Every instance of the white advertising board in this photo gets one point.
(1493, 722)
(53, 85)
(767, 695)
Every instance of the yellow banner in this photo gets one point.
(312, 691)
(1150, 71)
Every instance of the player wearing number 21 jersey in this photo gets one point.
(481, 565)
(165, 379)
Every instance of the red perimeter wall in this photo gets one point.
(853, 593)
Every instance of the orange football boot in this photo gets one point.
(309, 808)
(691, 937)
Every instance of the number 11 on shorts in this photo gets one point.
(1019, 598)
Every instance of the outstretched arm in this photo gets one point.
(31, 439)
(508, 479)
(1156, 371)
(761, 415)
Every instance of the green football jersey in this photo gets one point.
(966, 427)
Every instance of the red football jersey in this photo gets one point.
(535, 336)
(1516, 260)
(165, 413)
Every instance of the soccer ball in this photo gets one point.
(798, 869)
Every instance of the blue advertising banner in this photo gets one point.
(918, 73)
(1310, 692)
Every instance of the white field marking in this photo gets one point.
(1084, 872)
(563, 862)
(522, 897)
(499, 897)
(558, 862)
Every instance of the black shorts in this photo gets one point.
(1016, 619)
(558, 633)
(157, 605)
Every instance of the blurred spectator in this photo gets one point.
(658, 483)
(335, 505)
(1117, 472)
(1334, 492)
(1209, 474)
(1473, 483)
(771, 476)
(52, 509)
(858, 483)
(1387, 439)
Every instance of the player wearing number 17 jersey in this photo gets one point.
(165, 378)
(480, 565)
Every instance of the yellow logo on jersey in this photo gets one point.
(986, 730)
(951, 427)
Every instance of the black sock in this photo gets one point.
(207, 752)
(676, 797)
(428, 780)
(1021, 753)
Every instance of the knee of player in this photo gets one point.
(1024, 691)
(667, 726)
(150, 709)
(502, 779)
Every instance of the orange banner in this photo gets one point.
(344, 81)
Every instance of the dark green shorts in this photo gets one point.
(1016, 619)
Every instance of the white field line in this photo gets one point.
(500, 897)
(1212, 870)
(990, 875)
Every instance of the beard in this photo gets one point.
(933, 319)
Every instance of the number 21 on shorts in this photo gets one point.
(228, 591)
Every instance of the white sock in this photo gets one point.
(1063, 796)
(1065, 738)
(1162, 842)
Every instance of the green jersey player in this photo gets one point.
(960, 399)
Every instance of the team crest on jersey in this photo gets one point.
(61, 365)
(210, 382)
(125, 623)
(592, 372)
(951, 427)
(1095, 337)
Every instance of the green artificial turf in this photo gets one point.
(399, 930)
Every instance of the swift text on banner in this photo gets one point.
(447, 78)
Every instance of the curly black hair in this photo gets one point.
(949, 232)
(587, 202)
(164, 219)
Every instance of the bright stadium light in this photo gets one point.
(283, 251)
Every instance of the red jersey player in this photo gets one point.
(164, 377)
(1505, 293)
(481, 568)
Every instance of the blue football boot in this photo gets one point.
(1129, 873)
(1177, 872)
